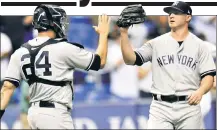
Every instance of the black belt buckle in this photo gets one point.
(46, 104)
(174, 98)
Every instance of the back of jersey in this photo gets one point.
(53, 64)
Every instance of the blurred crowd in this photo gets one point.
(117, 81)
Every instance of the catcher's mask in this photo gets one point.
(179, 7)
(50, 17)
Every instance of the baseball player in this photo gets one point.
(47, 63)
(183, 71)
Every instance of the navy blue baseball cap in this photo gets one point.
(179, 7)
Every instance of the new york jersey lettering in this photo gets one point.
(182, 59)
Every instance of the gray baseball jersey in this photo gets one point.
(176, 69)
(55, 62)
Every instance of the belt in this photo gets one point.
(49, 104)
(45, 81)
(169, 98)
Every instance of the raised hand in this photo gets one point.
(103, 24)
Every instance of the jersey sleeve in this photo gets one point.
(143, 54)
(13, 73)
(206, 62)
(80, 58)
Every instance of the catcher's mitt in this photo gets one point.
(132, 14)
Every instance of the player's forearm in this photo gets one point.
(143, 72)
(6, 94)
(127, 51)
(206, 84)
(102, 49)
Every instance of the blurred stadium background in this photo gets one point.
(118, 96)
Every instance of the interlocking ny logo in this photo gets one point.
(176, 3)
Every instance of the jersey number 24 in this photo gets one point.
(46, 65)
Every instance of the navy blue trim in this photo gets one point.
(14, 82)
(210, 72)
(91, 62)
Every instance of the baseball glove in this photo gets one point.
(132, 14)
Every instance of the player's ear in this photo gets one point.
(188, 18)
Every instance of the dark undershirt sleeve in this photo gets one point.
(139, 60)
(96, 63)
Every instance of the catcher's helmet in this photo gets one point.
(50, 17)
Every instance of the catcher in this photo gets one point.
(183, 68)
(50, 73)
